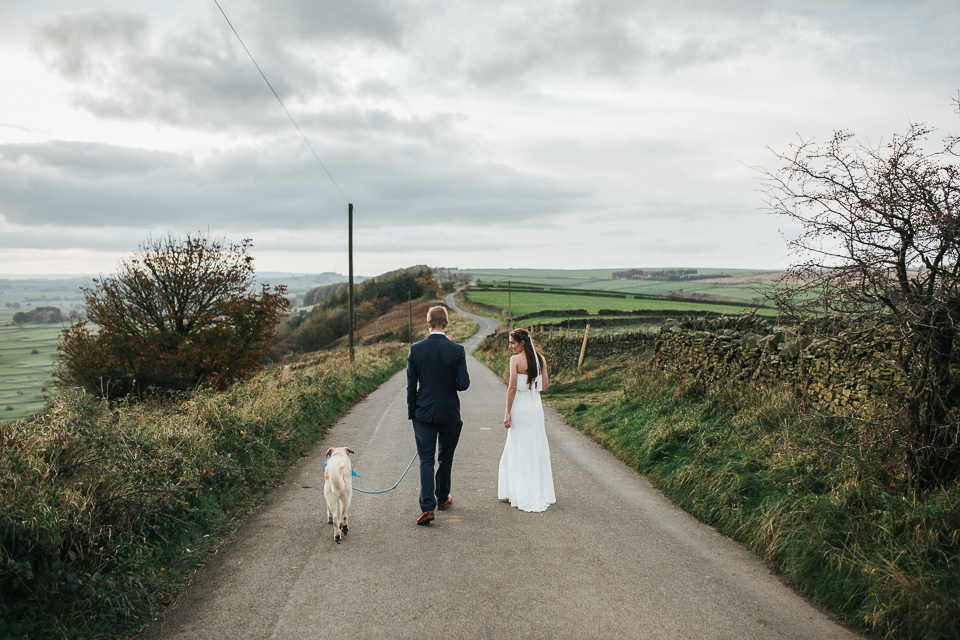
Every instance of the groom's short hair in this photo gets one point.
(437, 317)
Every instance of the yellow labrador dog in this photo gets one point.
(338, 488)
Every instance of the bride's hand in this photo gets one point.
(507, 422)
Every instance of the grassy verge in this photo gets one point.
(807, 493)
(104, 510)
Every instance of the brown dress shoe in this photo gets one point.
(425, 517)
(446, 504)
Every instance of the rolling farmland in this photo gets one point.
(28, 352)
(523, 298)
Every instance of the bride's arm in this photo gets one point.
(545, 378)
(511, 391)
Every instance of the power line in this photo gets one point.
(315, 155)
(281, 102)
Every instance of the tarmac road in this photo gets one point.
(611, 559)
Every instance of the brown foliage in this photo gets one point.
(179, 314)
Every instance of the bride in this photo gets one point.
(526, 478)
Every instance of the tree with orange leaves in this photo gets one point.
(179, 314)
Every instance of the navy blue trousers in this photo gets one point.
(432, 436)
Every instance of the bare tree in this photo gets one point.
(877, 237)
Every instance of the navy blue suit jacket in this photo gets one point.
(436, 371)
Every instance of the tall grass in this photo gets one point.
(821, 498)
(104, 508)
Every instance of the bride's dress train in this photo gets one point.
(526, 477)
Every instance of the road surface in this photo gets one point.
(611, 559)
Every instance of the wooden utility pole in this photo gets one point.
(350, 294)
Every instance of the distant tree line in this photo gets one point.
(666, 275)
(39, 315)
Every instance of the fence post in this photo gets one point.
(583, 349)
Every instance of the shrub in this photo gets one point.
(179, 314)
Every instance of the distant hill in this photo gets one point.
(317, 295)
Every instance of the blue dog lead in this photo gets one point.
(355, 474)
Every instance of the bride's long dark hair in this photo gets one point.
(523, 336)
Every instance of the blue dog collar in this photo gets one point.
(353, 472)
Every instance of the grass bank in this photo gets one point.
(106, 509)
(810, 494)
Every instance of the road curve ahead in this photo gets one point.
(611, 559)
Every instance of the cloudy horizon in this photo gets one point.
(553, 134)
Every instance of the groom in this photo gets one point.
(436, 371)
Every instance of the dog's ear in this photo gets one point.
(329, 452)
(349, 450)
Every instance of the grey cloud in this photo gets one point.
(613, 38)
(78, 46)
(902, 43)
(695, 51)
(126, 66)
(369, 126)
(377, 88)
(123, 67)
(88, 160)
(86, 185)
(326, 21)
(54, 237)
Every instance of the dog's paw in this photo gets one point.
(344, 528)
(329, 520)
(337, 537)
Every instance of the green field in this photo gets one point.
(27, 356)
(24, 375)
(523, 301)
(742, 285)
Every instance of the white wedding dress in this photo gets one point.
(525, 474)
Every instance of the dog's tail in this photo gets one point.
(336, 481)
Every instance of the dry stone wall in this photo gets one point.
(562, 352)
(839, 370)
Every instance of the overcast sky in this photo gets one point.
(483, 133)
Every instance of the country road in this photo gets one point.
(611, 559)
